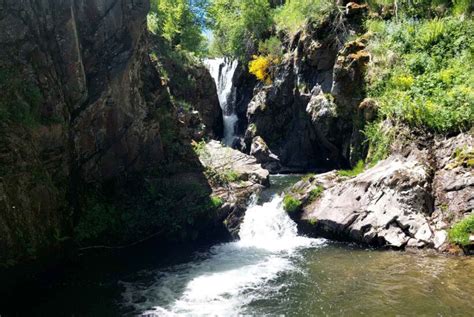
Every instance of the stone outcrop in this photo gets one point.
(236, 178)
(403, 201)
(259, 149)
(192, 88)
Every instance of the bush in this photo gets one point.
(359, 168)
(315, 193)
(270, 47)
(379, 139)
(238, 26)
(216, 202)
(176, 22)
(260, 67)
(221, 178)
(422, 73)
(291, 204)
(423, 8)
(460, 232)
(294, 14)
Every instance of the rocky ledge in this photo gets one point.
(405, 201)
(235, 179)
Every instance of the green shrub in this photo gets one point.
(313, 221)
(460, 232)
(462, 157)
(238, 26)
(379, 140)
(216, 202)
(359, 168)
(423, 8)
(315, 193)
(271, 46)
(231, 176)
(294, 14)
(178, 24)
(221, 178)
(291, 204)
(308, 177)
(422, 73)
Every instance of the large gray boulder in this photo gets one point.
(408, 200)
(386, 205)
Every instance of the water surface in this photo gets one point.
(270, 271)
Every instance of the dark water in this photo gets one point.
(272, 271)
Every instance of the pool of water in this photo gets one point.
(270, 271)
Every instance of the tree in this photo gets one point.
(180, 22)
(238, 25)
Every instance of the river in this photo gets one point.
(271, 270)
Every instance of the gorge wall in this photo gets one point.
(309, 116)
(91, 146)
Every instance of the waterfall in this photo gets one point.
(222, 71)
(230, 275)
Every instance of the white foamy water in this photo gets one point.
(231, 275)
(222, 71)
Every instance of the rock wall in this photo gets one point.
(87, 129)
(309, 116)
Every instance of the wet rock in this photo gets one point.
(235, 178)
(264, 156)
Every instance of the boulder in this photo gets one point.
(264, 156)
(236, 178)
(387, 205)
(405, 201)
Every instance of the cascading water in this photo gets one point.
(231, 275)
(222, 71)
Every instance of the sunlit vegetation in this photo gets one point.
(238, 26)
(422, 73)
(461, 232)
(260, 67)
(294, 14)
(315, 193)
(179, 23)
(291, 204)
(358, 168)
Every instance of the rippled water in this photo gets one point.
(270, 271)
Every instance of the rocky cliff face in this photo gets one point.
(308, 117)
(86, 128)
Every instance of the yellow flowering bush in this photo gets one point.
(260, 67)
